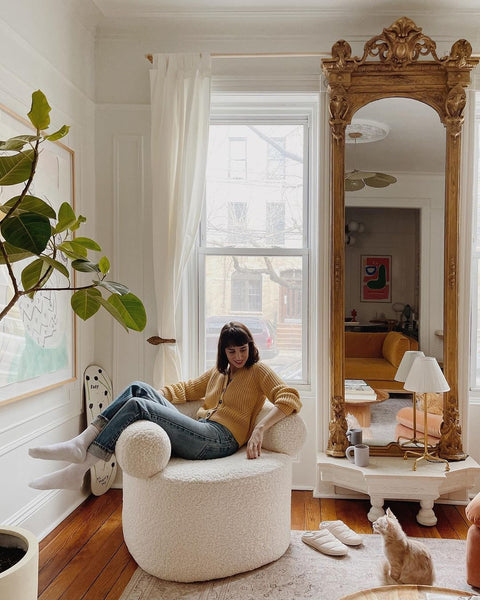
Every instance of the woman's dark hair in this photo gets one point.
(235, 334)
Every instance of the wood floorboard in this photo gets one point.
(85, 557)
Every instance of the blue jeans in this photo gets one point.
(189, 438)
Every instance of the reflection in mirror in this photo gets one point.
(394, 238)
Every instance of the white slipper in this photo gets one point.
(342, 532)
(325, 542)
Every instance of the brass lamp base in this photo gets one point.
(425, 456)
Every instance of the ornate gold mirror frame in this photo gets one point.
(397, 68)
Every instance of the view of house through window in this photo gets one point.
(254, 244)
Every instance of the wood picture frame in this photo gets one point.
(38, 336)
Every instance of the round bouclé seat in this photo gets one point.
(199, 520)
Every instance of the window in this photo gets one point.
(254, 246)
(237, 167)
(276, 158)
(475, 295)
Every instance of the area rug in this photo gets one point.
(303, 572)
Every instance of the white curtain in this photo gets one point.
(180, 105)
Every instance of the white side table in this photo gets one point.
(392, 478)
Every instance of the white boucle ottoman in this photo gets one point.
(201, 520)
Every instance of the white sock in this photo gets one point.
(68, 478)
(74, 450)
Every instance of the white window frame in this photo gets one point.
(475, 261)
(291, 108)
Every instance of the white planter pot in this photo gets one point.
(21, 580)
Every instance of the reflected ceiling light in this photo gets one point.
(353, 227)
(363, 131)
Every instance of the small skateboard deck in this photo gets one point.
(98, 395)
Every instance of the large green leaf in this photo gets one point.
(104, 265)
(88, 243)
(114, 288)
(66, 217)
(27, 231)
(85, 266)
(58, 266)
(30, 204)
(32, 274)
(16, 168)
(18, 142)
(39, 114)
(116, 314)
(131, 309)
(14, 254)
(85, 303)
(62, 132)
(73, 250)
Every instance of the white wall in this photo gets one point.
(46, 45)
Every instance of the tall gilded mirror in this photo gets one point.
(399, 72)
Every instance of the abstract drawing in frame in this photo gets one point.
(376, 279)
(37, 337)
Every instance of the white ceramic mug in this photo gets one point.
(358, 454)
(354, 436)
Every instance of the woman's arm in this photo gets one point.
(254, 444)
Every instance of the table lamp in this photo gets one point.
(425, 376)
(401, 375)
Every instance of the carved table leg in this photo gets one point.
(376, 510)
(425, 515)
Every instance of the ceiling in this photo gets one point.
(137, 8)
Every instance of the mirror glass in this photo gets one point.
(394, 247)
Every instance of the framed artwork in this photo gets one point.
(37, 337)
(376, 279)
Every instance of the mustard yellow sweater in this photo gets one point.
(236, 404)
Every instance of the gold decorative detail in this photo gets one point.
(338, 441)
(338, 112)
(454, 106)
(337, 272)
(452, 273)
(450, 445)
(341, 52)
(400, 44)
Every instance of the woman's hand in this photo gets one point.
(254, 444)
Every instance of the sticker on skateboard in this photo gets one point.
(98, 395)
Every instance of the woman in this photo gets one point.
(233, 391)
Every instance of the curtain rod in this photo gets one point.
(261, 55)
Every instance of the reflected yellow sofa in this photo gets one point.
(374, 357)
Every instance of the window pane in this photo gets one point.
(264, 293)
(270, 191)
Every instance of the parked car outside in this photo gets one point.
(262, 330)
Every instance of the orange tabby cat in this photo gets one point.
(408, 561)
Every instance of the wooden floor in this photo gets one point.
(85, 557)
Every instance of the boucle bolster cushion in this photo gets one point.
(405, 417)
(286, 436)
(472, 511)
(143, 449)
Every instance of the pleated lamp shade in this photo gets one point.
(425, 376)
(406, 364)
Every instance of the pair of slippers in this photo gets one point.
(332, 538)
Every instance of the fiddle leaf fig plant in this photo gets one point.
(47, 242)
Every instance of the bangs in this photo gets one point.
(236, 337)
